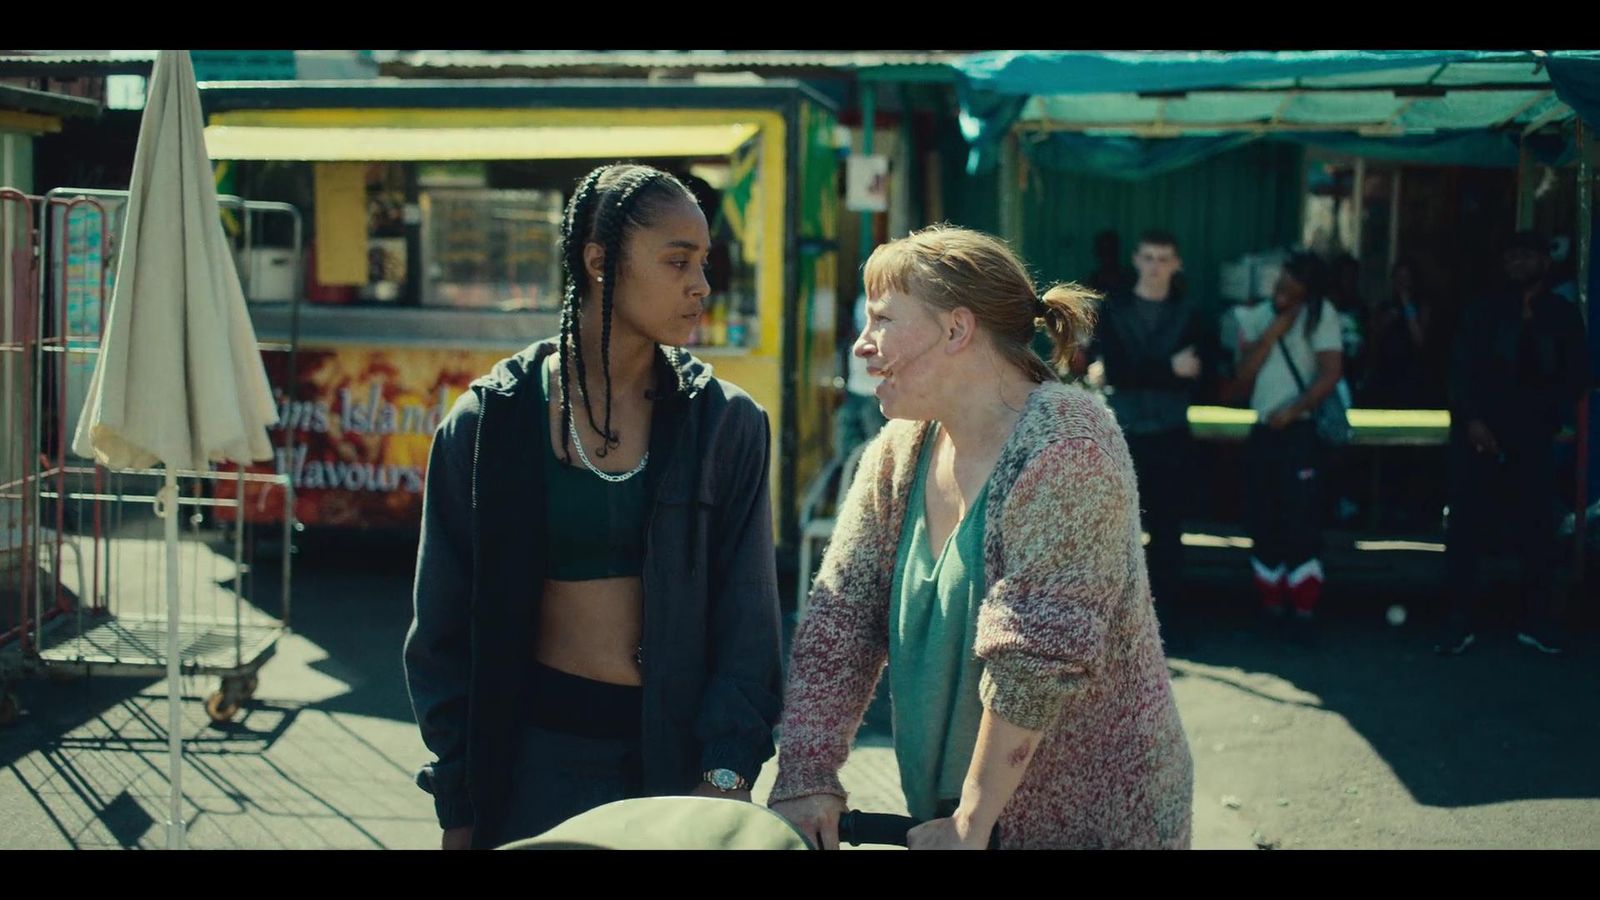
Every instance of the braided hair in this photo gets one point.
(608, 205)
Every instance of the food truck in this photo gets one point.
(432, 218)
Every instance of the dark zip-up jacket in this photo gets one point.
(1522, 386)
(711, 643)
(1146, 395)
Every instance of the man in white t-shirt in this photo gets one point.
(1289, 358)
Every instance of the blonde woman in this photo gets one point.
(989, 554)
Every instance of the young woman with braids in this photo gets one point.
(595, 608)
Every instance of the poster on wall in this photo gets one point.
(867, 183)
(363, 421)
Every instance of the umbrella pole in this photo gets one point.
(169, 511)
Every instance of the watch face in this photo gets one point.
(724, 779)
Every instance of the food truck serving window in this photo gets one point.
(413, 215)
(487, 249)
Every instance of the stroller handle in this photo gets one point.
(857, 828)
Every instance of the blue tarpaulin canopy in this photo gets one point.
(1140, 113)
(1133, 158)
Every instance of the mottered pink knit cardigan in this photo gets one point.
(1067, 633)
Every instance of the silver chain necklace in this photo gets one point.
(572, 427)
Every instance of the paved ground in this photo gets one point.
(1367, 741)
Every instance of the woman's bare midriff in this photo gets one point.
(591, 628)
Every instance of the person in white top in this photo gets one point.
(1289, 359)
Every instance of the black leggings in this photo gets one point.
(1285, 482)
(1163, 463)
(1505, 505)
(579, 748)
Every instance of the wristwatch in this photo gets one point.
(725, 780)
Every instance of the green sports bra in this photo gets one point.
(595, 527)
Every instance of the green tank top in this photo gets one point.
(933, 630)
(595, 528)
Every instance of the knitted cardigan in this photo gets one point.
(1067, 633)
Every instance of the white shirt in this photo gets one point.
(1275, 386)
